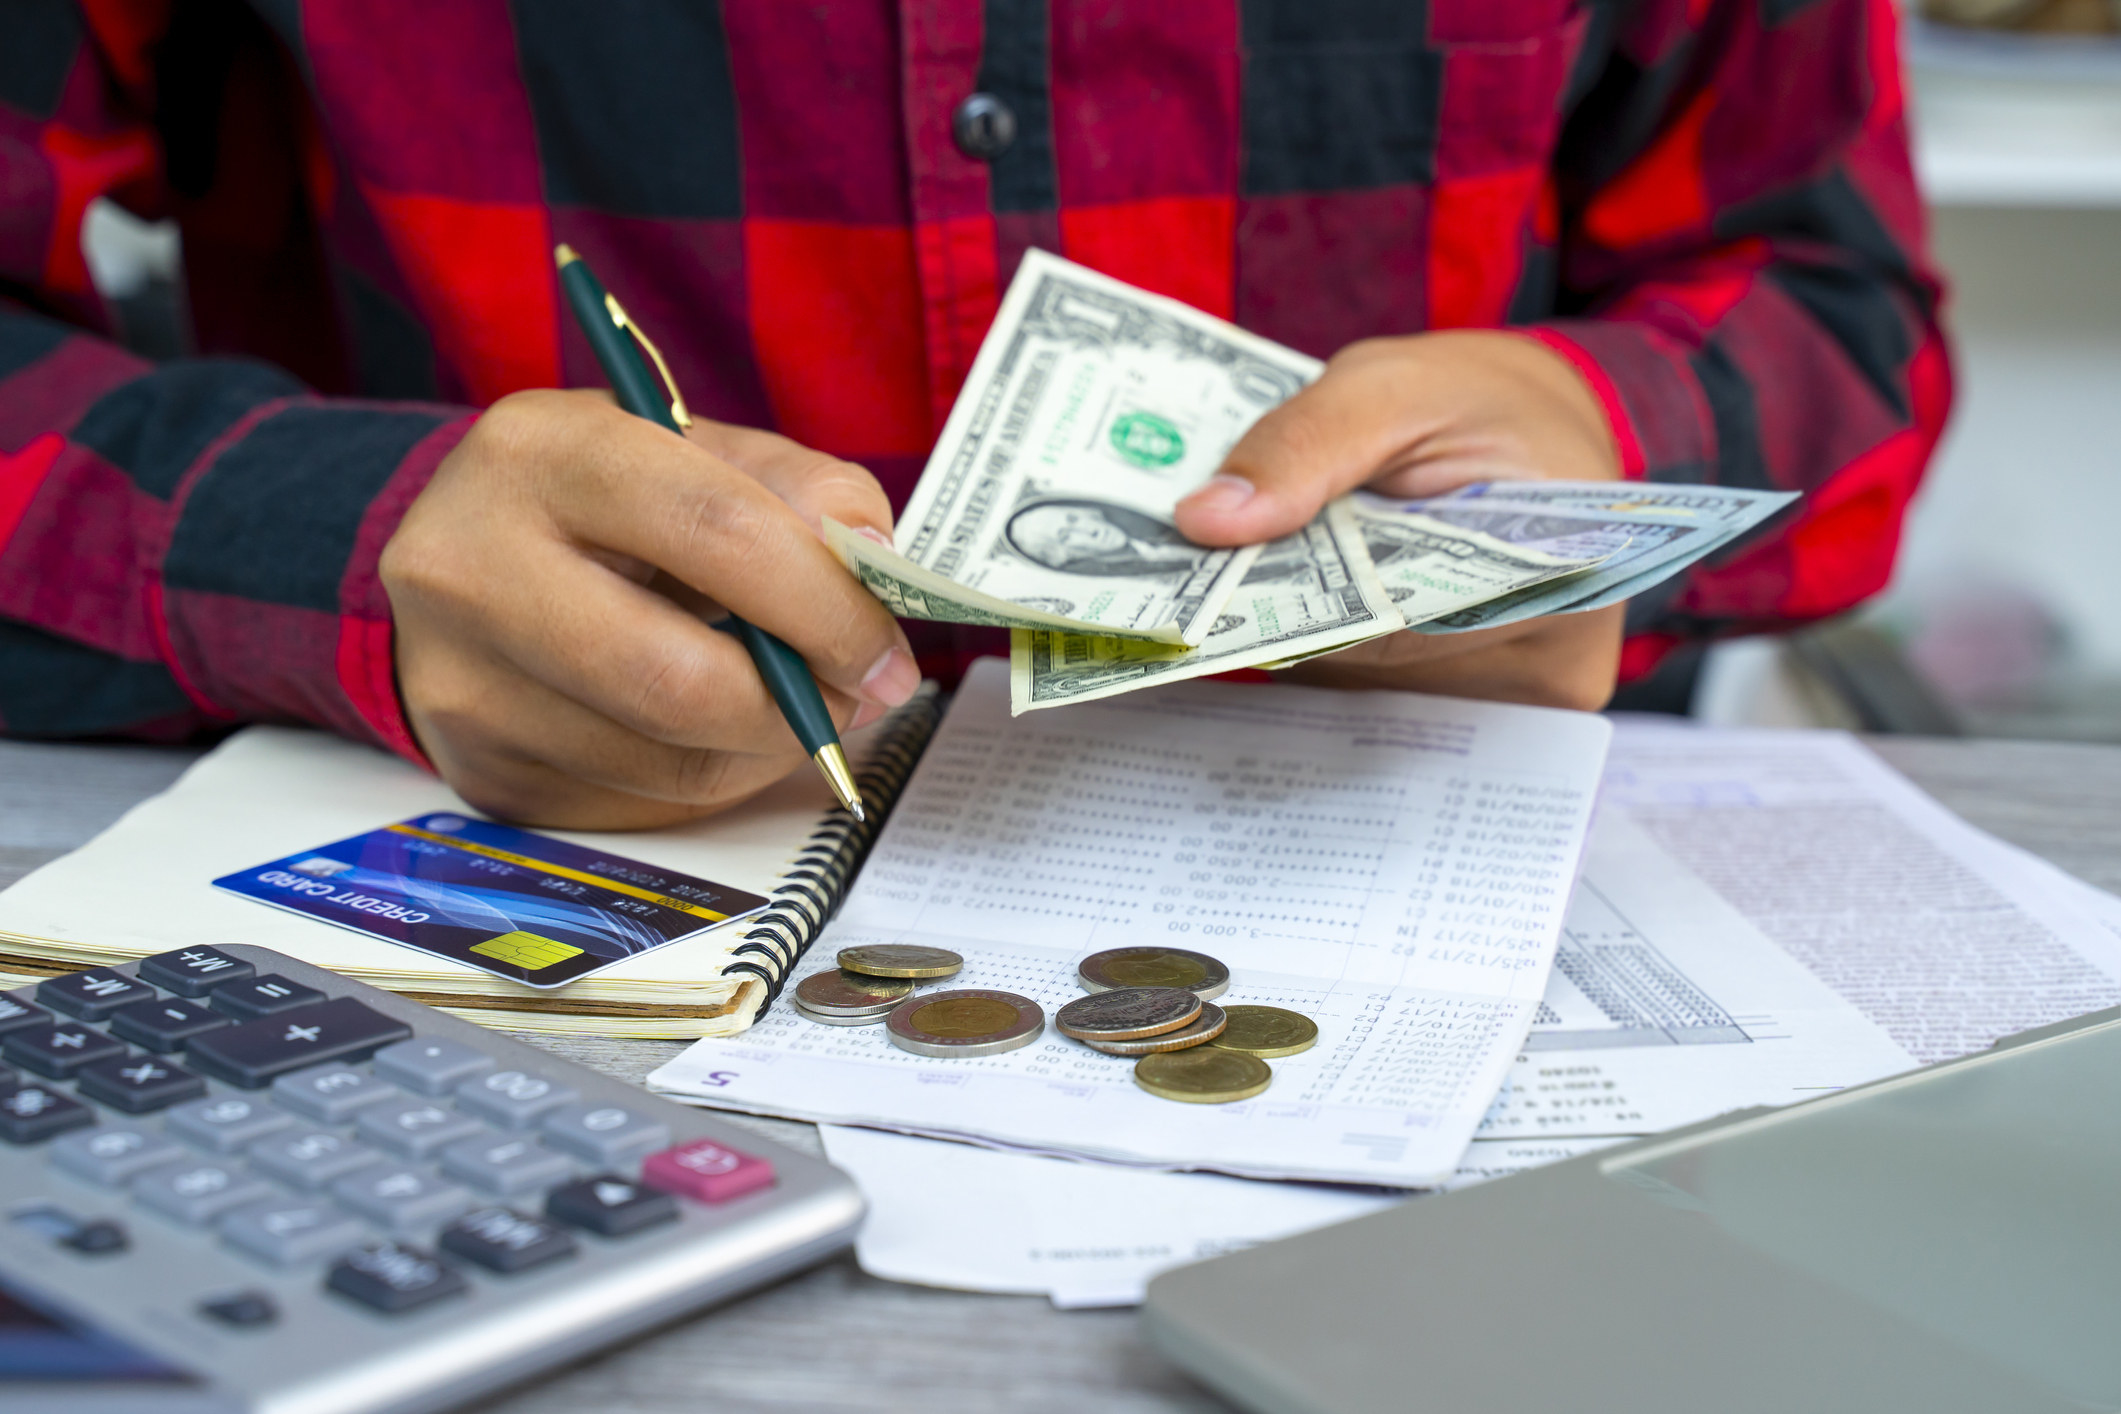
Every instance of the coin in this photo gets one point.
(901, 960)
(1126, 1013)
(1205, 1075)
(967, 1022)
(1203, 1029)
(1198, 973)
(824, 1019)
(839, 993)
(1268, 1032)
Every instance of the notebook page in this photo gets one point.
(1393, 866)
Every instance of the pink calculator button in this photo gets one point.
(706, 1172)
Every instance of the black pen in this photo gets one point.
(787, 676)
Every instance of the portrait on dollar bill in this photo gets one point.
(1084, 536)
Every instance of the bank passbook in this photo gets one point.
(520, 905)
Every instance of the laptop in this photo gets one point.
(1941, 1241)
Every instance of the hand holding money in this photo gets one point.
(1144, 493)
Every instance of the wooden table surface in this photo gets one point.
(834, 1339)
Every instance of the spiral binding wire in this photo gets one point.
(810, 892)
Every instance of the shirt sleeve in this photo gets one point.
(182, 544)
(1740, 256)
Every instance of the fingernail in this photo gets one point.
(870, 532)
(893, 679)
(1222, 493)
(866, 713)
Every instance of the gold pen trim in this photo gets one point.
(620, 317)
(831, 760)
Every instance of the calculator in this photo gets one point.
(236, 1182)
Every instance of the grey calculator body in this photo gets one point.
(1946, 1241)
(136, 1330)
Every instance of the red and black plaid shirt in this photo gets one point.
(1705, 204)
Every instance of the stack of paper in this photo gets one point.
(1392, 866)
(1763, 917)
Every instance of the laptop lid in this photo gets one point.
(1946, 1240)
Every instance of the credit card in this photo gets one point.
(523, 906)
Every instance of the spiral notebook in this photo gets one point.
(147, 884)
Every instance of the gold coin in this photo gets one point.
(1203, 1029)
(901, 960)
(1196, 972)
(1267, 1032)
(964, 1016)
(1204, 1075)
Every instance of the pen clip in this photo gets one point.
(620, 317)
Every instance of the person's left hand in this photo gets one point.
(1419, 416)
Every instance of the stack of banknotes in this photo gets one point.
(1093, 408)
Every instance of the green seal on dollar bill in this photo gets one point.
(1146, 440)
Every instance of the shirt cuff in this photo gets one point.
(269, 602)
(1661, 423)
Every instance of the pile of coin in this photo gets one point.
(1146, 1002)
(1154, 1003)
(871, 980)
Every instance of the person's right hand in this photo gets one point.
(548, 587)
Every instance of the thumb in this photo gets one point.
(1328, 439)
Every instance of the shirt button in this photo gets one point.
(983, 127)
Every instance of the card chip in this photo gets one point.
(525, 950)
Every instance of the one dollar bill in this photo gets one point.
(1092, 409)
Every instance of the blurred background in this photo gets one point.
(2004, 618)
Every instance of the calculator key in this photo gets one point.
(402, 1199)
(99, 1237)
(227, 1123)
(112, 1154)
(603, 1134)
(392, 1277)
(16, 1014)
(514, 1098)
(413, 1129)
(290, 1231)
(707, 1172)
(430, 1067)
(92, 995)
(30, 1114)
(261, 996)
(507, 1166)
(193, 972)
(164, 1024)
(311, 1158)
(332, 1094)
(502, 1240)
(198, 1192)
(256, 1053)
(58, 1051)
(139, 1085)
(610, 1206)
(245, 1310)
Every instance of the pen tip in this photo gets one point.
(563, 255)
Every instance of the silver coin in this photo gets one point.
(876, 1019)
(970, 1021)
(1205, 977)
(1203, 1029)
(1125, 1013)
(837, 993)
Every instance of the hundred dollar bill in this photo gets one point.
(1672, 528)
(1306, 594)
(1090, 411)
